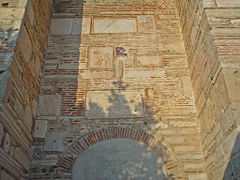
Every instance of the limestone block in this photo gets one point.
(5, 176)
(149, 60)
(21, 158)
(236, 22)
(3, 81)
(28, 117)
(208, 116)
(208, 3)
(7, 142)
(114, 103)
(49, 105)
(231, 145)
(25, 43)
(187, 87)
(30, 11)
(96, 75)
(54, 142)
(1, 133)
(146, 24)
(81, 26)
(224, 3)
(198, 177)
(40, 128)
(114, 25)
(11, 13)
(228, 120)
(232, 78)
(61, 26)
(101, 57)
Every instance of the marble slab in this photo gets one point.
(149, 60)
(114, 26)
(114, 103)
(101, 57)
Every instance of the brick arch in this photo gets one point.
(82, 143)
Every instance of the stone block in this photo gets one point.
(7, 142)
(41, 127)
(198, 177)
(146, 24)
(21, 158)
(25, 43)
(114, 103)
(28, 117)
(49, 105)
(11, 13)
(54, 142)
(61, 26)
(3, 81)
(1, 133)
(114, 25)
(81, 26)
(101, 57)
(6, 176)
(224, 3)
(149, 60)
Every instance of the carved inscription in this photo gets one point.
(101, 57)
(146, 24)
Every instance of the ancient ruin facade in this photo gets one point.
(120, 89)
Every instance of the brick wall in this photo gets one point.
(211, 36)
(23, 36)
(115, 65)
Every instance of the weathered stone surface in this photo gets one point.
(7, 142)
(40, 128)
(49, 105)
(149, 60)
(114, 25)
(1, 133)
(223, 3)
(81, 26)
(54, 142)
(146, 24)
(21, 158)
(61, 26)
(101, 57)
(114, 103)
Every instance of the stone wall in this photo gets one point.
(115, 66)
(23, 41)
(211, 35)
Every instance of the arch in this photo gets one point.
(103, 134)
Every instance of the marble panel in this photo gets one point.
(101, 57)
(114, 103)
(149, 60)
(146, 24)
(114, 26)
(40, 128)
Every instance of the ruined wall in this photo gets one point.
(211, 36)
(23, 41)
(115, 67)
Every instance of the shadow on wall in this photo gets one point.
(232, 171)
(8, 38)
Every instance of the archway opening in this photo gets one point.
(119, 159)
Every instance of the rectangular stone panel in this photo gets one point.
(146, 24)
(61, 26)
(49, 105)
(114, 26)
(101, 57)
(114, 103)
(54, 142)
(149, 60)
